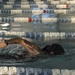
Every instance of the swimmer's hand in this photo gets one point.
(2, 44)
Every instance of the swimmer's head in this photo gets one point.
(54, 49)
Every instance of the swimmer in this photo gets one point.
(33, 49)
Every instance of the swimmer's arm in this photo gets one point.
(2, 44)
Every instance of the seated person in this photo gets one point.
(33, 49)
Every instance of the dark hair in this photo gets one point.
(56, 49)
